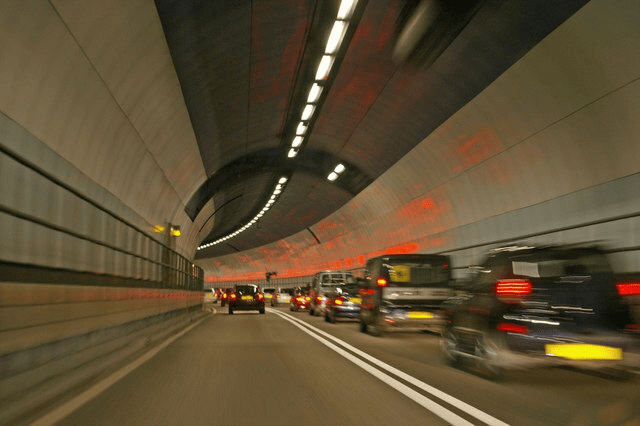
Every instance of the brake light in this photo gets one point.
(628, 289)
(382, 282)
(233, 296)
(513, 288)
(260, 296)
(512, 328)
(224, 295)
(318, 299)
(338, 301)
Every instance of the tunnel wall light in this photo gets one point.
(324, 67)
(274, 196)
(335, 38)
(314, 93)
(336, 172)
(346, 9)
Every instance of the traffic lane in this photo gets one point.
(249, 368)
(534, 397)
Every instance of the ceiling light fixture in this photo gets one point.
(297, 141)
(335, 38)
(314, 93)
(332, 176)
(324, 67)
(308, 111)
(346, 9)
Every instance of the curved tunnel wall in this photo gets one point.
(549, 152)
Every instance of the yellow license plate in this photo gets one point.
(355, 300)
(583, 351)
(420, 315)
(247, 297)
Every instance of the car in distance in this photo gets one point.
(405, 292)
(343, 302)
(323, 283)
(529, 307)
(300, 300)
(268, 294)
(282, 296)
(224, 296)
(247, 297)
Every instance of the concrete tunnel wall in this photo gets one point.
(553, 143)
(90, 112)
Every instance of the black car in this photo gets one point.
(246, 297)
(343, 301)
(543, 306)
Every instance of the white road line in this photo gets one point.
(430, 405)
(478, 414)
(72, 405)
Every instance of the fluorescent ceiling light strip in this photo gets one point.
(332, 176)
(314, 93)
(339, 168)
(324, 67)
(297, 141)
(301, 129)
(292, 153)
(346, 9)
(308, 111)
(335, 38)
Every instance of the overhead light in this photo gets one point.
(337, 32)
(339, 168)
(292, 153)
(297, 141)
(308, 110)
(346, 9)
(324, 67)
(332, 176)
(282, 180)
(301, 128)
(277, 191)
(314, 93)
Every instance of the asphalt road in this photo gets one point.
(273, 369)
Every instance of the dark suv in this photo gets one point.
(246, 298)
(533, 306)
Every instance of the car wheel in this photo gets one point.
(311, 311)
(262, 310)
(363, 326)
(326, 317)
(332, 317)
(487, 351)
(448, 344)
(230, 311)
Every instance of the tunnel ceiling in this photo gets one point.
(246, 67)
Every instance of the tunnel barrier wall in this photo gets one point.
(47, 220)
(77, 271)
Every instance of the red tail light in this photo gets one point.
(513, 289)
(628, 289)
(338, 301)
(260, 296)
(318, 300)
(512, 328)
(382, 282)
(233, 296)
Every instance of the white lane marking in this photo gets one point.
(72, 405)
(435, 408)
(478, 414)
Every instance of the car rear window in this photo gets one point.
(246, 290)
(560, 265)
(409, 274)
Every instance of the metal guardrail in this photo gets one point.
(177, 272)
